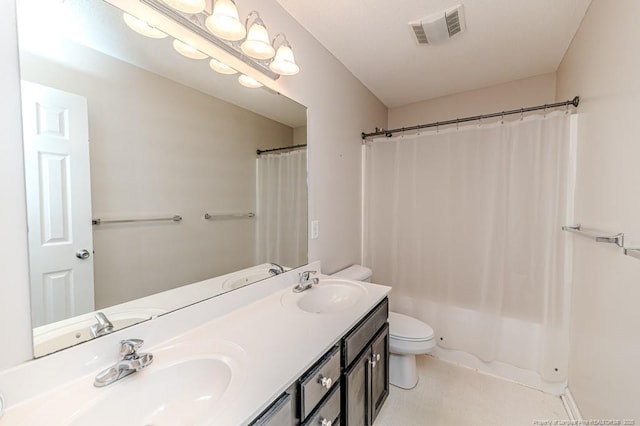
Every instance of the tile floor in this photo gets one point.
(450, 395)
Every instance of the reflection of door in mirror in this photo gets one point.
(56, 152)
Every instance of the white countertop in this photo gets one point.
(279, 343)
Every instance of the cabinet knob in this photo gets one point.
(326, 422)
(325, 382)
(374, 360)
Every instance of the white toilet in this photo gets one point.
(408, 337)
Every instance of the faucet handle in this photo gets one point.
(306, 275)
(129, 347)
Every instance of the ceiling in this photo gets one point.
(505, 40)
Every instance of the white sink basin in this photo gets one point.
(181, 387)
(330, 295)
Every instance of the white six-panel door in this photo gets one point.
(56, 151)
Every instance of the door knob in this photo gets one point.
(83, 254)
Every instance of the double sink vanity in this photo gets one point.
(261, 354)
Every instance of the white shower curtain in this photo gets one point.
(465, 224)
(282, 208)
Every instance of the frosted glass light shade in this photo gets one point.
(141, 27)
(221, 67)
(224, 22)
(249, 82)
(187, 50)
(257, 44)
(284, 63)
(187, 6)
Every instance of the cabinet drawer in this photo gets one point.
(322, 378)
(358, 338)
(328, 413)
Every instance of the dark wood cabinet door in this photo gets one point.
(356, 409)
(379, 363)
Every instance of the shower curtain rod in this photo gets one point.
(388, 133)
(262, 151)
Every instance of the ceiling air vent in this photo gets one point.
(439, 26)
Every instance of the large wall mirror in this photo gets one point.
(142, 174)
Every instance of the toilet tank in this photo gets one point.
(355, 272)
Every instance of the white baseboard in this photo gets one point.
(570, 406)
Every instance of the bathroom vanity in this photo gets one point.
(348, 385)
(258, 355)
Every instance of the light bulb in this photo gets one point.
(224, 22)
(284, 63)
(249, 82)
(221, 67)
(187, 50)
(187, 6)
(257, 44)
(141, 27)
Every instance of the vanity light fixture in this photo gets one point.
(257, 43)
(220, 67)
(187, 50)
(284, 63)
(218, 31)
(187, 6)
(224, 21)
(249, 82)
(141, 27)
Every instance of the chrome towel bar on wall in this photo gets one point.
(633, 252)
(98, 221)
(208, 216)
(617, 239)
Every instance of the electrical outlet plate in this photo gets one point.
(315, 229)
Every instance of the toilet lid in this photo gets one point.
(403, 327)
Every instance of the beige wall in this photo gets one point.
(340, 107)
(204, 161)
(513, 95)
(602, 65)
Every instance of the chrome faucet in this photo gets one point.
(102, 327)
(305, 282)
(276, 270)
(130, 362)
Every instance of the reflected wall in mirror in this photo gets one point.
(119, 127)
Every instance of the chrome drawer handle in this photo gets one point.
(325, 382)
(325, 422)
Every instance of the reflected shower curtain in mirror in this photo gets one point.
(465, 224)
(282, 208)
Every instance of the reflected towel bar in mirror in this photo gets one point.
(98, 221)
(228, 216)
(617, 239)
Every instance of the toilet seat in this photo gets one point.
(408, 329)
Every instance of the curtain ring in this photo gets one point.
(457, 124)
(567, 111)
(521, 114)
(437, 127)
(502, 119)
(545, 111)
(479, 121)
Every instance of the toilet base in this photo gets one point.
(403, 371)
